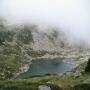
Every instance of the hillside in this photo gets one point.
(19, 44)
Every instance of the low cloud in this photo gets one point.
(69, 15)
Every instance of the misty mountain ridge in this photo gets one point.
(51, 38)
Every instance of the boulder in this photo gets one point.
(49, 87)
(87, 81)
(44, 87)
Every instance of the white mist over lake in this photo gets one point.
(70, 15)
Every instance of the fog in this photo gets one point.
(72, 16)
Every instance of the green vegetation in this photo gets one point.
(62, 82)
(25, 35)
(11, 59)
(12, 53)
(34, 53)
(6, 36)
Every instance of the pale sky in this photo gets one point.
(70, 15)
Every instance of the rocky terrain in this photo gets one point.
(20, 44)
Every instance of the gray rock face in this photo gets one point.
(44, 87)
(87, 81)
(49, 87)
(87, 69)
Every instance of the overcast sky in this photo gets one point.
(70, 15)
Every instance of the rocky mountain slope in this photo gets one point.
(20, 43)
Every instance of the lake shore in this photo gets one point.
(74, 59)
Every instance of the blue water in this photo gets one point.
(47, 66)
